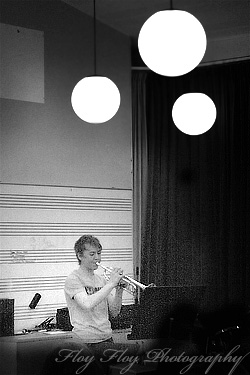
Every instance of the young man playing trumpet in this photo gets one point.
(90, 298)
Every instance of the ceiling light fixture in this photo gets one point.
(194, 113)
(172, 42)
(95, 99)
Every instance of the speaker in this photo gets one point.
(6, 317)
(63, 319)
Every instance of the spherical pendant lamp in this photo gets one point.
(172, 42)
(95, 99)
(194, 113)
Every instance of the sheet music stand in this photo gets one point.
(158, 305)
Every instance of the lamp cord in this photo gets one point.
(171, 4)
(94, 40)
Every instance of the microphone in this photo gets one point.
(35, 300)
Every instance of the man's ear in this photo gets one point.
(80, 256)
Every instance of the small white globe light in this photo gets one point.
(194, 113)
(172, 42)
(95, 99)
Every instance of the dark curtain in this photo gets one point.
(194, 209)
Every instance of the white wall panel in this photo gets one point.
(22, 63)
(39, 227)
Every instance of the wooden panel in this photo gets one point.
(39, 227)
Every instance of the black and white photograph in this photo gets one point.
(125, 187)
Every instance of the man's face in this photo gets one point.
(90, 257)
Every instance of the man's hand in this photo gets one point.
(115, 276)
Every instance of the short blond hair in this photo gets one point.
(82, 241)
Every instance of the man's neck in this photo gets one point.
(89, 272)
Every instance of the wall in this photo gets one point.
(47, 143)
(226, 47)
(62, 177)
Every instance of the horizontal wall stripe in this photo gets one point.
(19, 284)
(67, 229)
(58, 255)
(41, 312)
(30, 284)
(64, 202)
(49, 186)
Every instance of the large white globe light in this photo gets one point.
(194, 113)
(172, 42)
(95, 99)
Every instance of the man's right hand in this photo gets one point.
(115, 276)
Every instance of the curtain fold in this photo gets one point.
(140, 157)
(191, 193)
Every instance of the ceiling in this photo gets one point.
(220, 18)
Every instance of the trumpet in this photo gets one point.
(127, 282)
